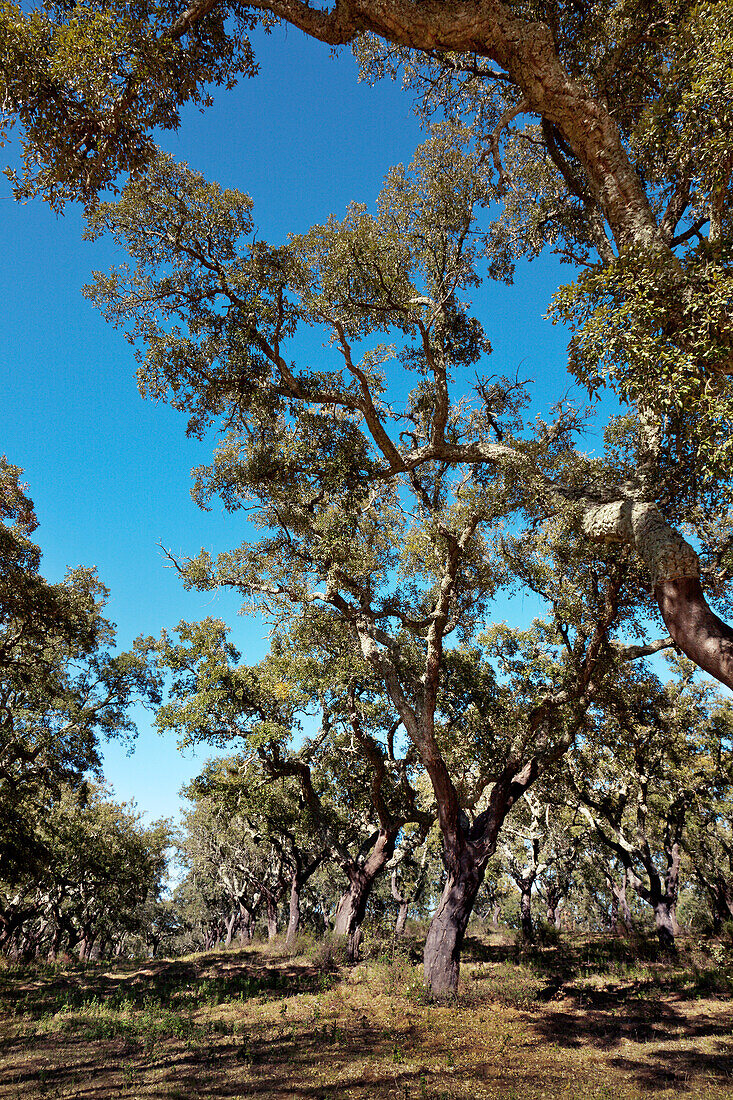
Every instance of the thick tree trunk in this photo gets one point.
(666, 925)
(350, 913)
(554, 901)
(621, 922)
(448, 927)
(723, 903)
(495, 912)
(246, 923)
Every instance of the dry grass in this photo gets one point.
(587, 1022)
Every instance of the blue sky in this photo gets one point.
(109, 473)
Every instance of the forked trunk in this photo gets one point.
(229, 925)
(352, 906)
(448, 927)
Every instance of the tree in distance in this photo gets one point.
(61, 689)
(654, 754)
(342, 795)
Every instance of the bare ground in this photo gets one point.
(587, 1021)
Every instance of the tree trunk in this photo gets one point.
(294, 918)
(447, 928)
(554, 900)
(352, 906)
(229, 925)
(246, 925)
(57, 936)
(525, 910)
(350, 913)
(666, 924)
(722, 904)
(403, 906)
(620, 911)
(271, 917)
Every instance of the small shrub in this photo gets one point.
(548, 935)
(329, 954)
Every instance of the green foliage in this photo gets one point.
(661, 339)
(98, 870)
(89, 84)
(61, 688)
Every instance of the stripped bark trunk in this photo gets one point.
(362, 876)
(448, 927)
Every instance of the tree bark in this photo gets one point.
(271, 903)
(448, 927)
(525, 910)
(229, 925)
(294, 917)
(666, 925)
(675, 576)
(403, 906)
(352, 906)
(622, 905)
(246, 924)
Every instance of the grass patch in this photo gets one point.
(591, 1019)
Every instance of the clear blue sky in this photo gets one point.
(109, 473)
